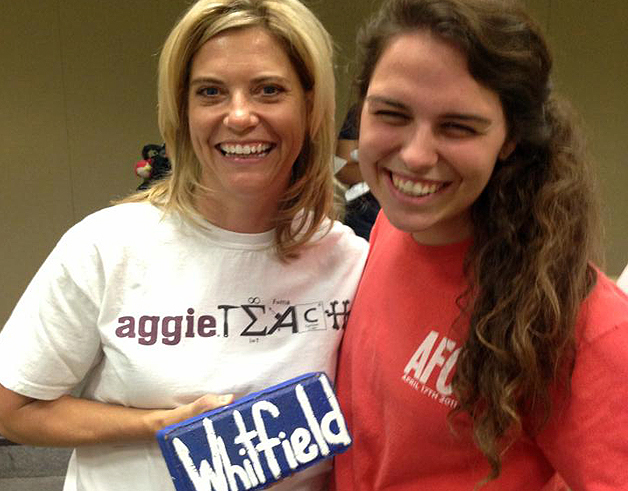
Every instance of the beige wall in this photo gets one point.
(77, 103)
(590, 46)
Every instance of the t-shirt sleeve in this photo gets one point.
(51, 339)
(622, 282)
(586, 439)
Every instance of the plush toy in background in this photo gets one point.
(153, 166)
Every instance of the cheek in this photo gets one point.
(202, 118)
(474, 160)
(298, 121)
(367, 153)
(198, 135)
(286, 123)
(475, 177)
(194, 122)
(375, 141)
(372, 151)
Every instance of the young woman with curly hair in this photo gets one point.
(484, 348)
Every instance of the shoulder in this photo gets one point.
(338, 235)
(622, 281)
(122, 221)
(335, 245)
(126, 216)
(114, 229)
(591, 420)
(604, 311)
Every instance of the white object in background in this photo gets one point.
(356, 191)
(622, 281)
(339, 163)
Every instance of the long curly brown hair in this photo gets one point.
(535, 225)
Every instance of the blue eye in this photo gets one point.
(209, 91)
(270, 90)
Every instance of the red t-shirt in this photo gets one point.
(397, 361)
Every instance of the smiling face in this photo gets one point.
(429, 137)
(247, 118)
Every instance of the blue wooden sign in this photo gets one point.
(257, 440)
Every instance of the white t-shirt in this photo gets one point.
(622, 281)
(154, 311)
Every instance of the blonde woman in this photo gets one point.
(226, 277)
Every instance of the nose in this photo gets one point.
(420, 150)
(240, 114)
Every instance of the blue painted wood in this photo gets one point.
(257, 440)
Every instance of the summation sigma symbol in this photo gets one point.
(259, 439)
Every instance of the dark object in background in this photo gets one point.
(153, 166)
(361, 206)
(361, 213)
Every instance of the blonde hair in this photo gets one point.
(309, 197)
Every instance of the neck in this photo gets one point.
(238, 216)
(450, 231)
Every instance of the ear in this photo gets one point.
(507, 148)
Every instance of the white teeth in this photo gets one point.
(239, 149)
(415, 188)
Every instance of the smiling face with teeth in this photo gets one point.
(247, 114)
(430, 136)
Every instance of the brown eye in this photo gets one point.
(458, 129)
(391, 116)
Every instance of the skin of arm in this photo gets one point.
(70, 421)
(350, 172)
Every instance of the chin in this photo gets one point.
(405, 223)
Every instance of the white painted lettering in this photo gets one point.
(437, 359)
(335, 415)
(311, 419)
(303, 451)
(441, 384)
(245, 438)
(421, 355)
(231, 470)
(302, 446)
(287, 451)
(249, 470)
(266, 444)
(205, 478)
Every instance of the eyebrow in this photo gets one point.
(467, 117)
(472, 118)
(258, 80)
(389, 102)
(204, 80)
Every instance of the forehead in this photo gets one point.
(420, 66)
(248, 47)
